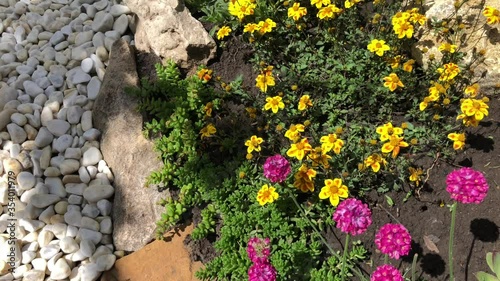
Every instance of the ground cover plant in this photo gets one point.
(338, 110)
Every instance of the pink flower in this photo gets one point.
(393, 240)
(276, 168)
(386, 272)
(352, 216)
(259, 249)
(261, 272)
(467, 185)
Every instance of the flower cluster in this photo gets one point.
(276, 168)
(299, 149)
(473, 109)
(393, 240)
(467, 186)
(352, 216)
(241, 8)
(326, 10)
(492, 15)
(296, 11)
(436, 91)
(267, 194)
(258, 251)
(293, 133)
(386, 272)
(205, 74)
(403, 22)
(305, 102)
(447, 47)
(393, 135)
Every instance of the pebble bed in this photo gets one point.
(54, 181)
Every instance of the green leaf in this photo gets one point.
(389, 200)
(483, 276)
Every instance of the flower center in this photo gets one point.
(394, 142)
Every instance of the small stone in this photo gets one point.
(106, 226)
(97, 192)
(87, 234)
(103, 22)
(87, 65)
(104, 207)
(89, 272)
(17, 134)
(90, 211)
(84, 175)
(44, 200)
(61, 207)
(55, 186)
(74, 114)
(121, 24)
(34, 275)
(62, 143)
(39, 264)
(26, 180)
(61, 270)
(73, 153)
(91, 157)
(73, 218)
(69, 245)
(49, 251)
(118, 10)
(58, 228)
(93, 88)
(75, 199)
(92, 134)
(105, 262)
(87, 248)
(45, 237)
(69, 166)
(58, 127)
(32, 89)
(78, 76)
(19, 119)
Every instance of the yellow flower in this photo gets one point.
(266, 26)
(415, 175)
(468, 120)
(458, 140)
(334, 190)
(320, 3)
(492, 15)
(415, 17)
(264, 80)
(300, 149)
(400, 17)
(474, 107)
(317, 158)
(208, 108)
(448, 71)
(403, 29)
(250, 27)
(376, 18)
(349, 3)
(423, 105)
(436, 90)
(296, 12)
(254, 144)
(267, 194)
(408, 66)
(274, 103)
(304, 102)
(447, 47)
(394, 145)
(394, 62)
(378, 47)
(329, 142)
(374, 162)
(472, 90)
(304, 179)
(208, 131)
(252, 112)
(386, 131)
(293, 133)
(392, 82)
(223, 32)
(328, 12)
(241, 8)
(205, 74)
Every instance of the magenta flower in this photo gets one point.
(386, 272)
(467, 185)
(352, 216)
(276, 168)
(261, 272)
(393, 240)
(259, 249)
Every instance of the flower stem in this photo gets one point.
(344, 257)
(450, 243)
(413, 267)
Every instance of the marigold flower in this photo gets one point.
(223, 32)
(378, 47)
(403, 29)
(266, 26)
(416, 17)
(261, 272)
(467, 185)
(252, 112)
(386, 272)
(250, 27)
(267, 194)
(492, 15)
(458, 140)
(274, 104)
(448, 71)
(304, 179)
(447, 47)
(258, 249)
(328, 12)
(254, 144)
(472, 90)
(300, 149)
(392, 82)
(208, 108)
(394, 62)
(208, 131)
(304, 102)
(349, 3)
(320, 3)
(468, 120)
(264, 80)
(352, 216)
(374, 162)
(241, 8)
(400, 17)
(408, 66)
(394, 145)
(293, 133)
(317, 158)
(333, 190)
(205, 74)
(393, 240)
(276, 168)
(387, 130)
(329, 142)
(415, 175)
(474, 107)
(436, 90)
(296, 12)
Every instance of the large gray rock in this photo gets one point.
(168, 29)
(127, 152)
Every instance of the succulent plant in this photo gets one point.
(493, 261)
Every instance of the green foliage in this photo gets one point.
(207, 224)
(493, 261)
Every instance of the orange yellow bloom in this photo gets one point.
(474, 107)
(304, 179)
(333, 190)
(317, 158)
(447, 47)
(250, 27)
(267, 194)
(253, 144)
(492, 15)
(299, 149)
(374, 162)
(274, 104)
(394, 145)
(296, 12)
(293, 133)
(458, 140)
(320, 3)
(349, 3)
(392, 82)
(205, 74)
(329, 142)
(378, 47)
(305, 102)
(208, 108)
(468, 120)
(415, 175)
(265, 80)
(266, 26)
(472, 90)
(208, 131)
(448, 71)
(408, 66)
(241, 8)
(386, 131)
(328, 12)
(223, 32)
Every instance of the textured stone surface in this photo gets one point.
(127, 153)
